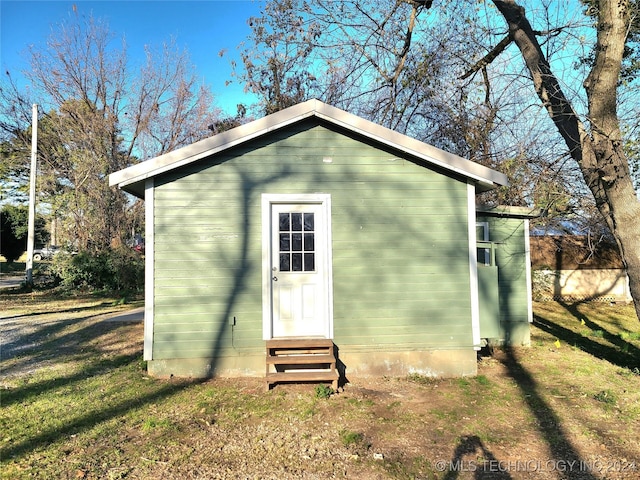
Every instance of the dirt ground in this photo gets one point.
(538, 412)
(413, 429)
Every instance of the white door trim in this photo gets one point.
(268, 199)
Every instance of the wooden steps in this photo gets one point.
(301, 360)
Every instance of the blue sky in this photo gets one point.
(203, 27)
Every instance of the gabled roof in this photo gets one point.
(132, 179)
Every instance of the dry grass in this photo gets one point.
(77, 403)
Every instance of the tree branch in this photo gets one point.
(487, 86)
(554, 32)
(488, 58)
(407, 44)
(545, 82)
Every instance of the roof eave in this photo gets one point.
(132, 179)
(482, 175)
(209, 146)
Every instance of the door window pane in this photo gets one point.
(308, 222)
(285, 264)
(296, 242)
(309, 262)
(296, 262)
(308, 242)
(285, 242)
(296, 222)
(284, 222)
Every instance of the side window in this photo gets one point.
(482, 235)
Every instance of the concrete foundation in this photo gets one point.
(435, 363)
(242, 366)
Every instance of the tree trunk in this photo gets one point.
(598, 153)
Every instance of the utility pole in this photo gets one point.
(32, 196)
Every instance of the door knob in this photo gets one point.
(275, 279)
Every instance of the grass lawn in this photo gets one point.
(77, 403)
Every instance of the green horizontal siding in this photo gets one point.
(400, 245)
(511, 261)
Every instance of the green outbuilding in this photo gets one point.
(313, 227)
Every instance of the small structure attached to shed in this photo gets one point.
(504, 274)
(315, 232)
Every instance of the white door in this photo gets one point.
(299, 270)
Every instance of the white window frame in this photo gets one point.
(485, 235)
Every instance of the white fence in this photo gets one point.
(609, 285)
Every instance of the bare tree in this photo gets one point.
(597, 143)
(167, 105)
(399, 63)
(359, 57)
(100, 116)
(380, 64)
(428, 69)
(277, 62)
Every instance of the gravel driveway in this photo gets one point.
(21, 334)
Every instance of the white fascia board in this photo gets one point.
(509, 211)
(486, 177)
(416, 148)
(208, 146)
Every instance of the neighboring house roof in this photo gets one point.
(132, 179)
(572, 252)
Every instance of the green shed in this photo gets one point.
(314, 233)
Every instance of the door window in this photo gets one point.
(297, 242)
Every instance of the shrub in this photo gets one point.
(117, 270)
